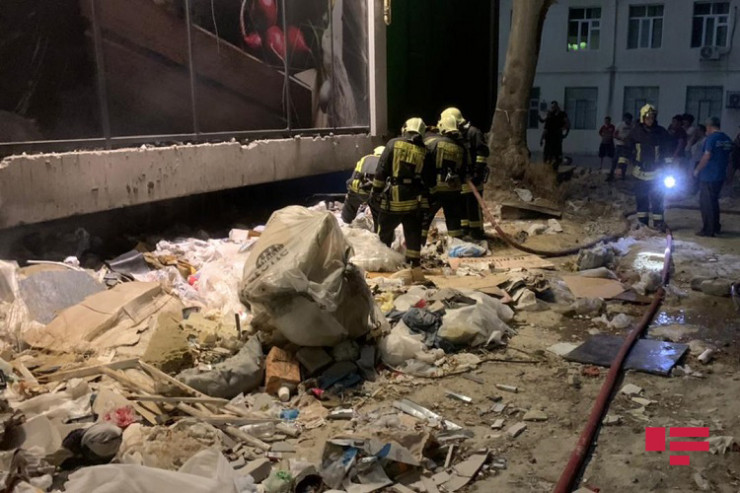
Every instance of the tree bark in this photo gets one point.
(508, 139)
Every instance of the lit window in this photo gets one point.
(584, 29)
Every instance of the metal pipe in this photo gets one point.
(286, 88)
(100, 69)
(191, 67)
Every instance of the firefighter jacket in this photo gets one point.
(402, 176)
(478, 151)
(650, 147)
(450, 158)
(361, 181)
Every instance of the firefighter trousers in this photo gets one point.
(411, 221)
(352, 203)
(649, 198)
(472, 222)
(453, 209)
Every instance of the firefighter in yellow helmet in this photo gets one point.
(649, 142)
(450, 157)
(359, 186)
(400, 184)
(477, 171)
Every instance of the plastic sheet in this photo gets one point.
(474, 325)
(370, 253)
(207, 471)
(458, 248)
(15, 319)
(401, 345)
(298, 281)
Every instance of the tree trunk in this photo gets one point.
(508, 139)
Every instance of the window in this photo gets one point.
(635, 97)
(580, 104)
(533, 117)
(584, 29)
(711, 22)
(645, 26)
(704, 101)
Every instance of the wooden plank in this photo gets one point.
(247, 438)
(524, 210)
(25, 372)
(157, 373)
(188, 400)
(117, 375)
(89, 370)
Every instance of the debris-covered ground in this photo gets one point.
(279, 359)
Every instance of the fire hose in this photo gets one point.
(545, 253)
(585, 441)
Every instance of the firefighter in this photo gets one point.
(649, 143)
(450, 157)
(403, 174)
(359, 186)
(477, 171)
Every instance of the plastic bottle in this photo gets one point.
(259, 430)
(284, 393)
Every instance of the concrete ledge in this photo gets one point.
(43, 187)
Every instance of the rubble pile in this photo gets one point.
(267, 361)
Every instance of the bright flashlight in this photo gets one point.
(669, 182)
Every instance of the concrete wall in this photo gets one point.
(43, 187)
(673, 67)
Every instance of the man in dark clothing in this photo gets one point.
(404, 173)
(678, 139)
(450, 157)
(557, 127)
(711, 171)
(650, 143)
(477, 171)
(359, 186)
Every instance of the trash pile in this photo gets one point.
(207, 365)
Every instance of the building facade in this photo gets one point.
(604, 58)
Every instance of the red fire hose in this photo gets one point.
(578, 456)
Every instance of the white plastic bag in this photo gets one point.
(401, 345)
(473, 325)
(208, 471)
(370, 253)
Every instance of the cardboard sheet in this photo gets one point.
(488, 284)
(107, 315)
(524, 261)
(593, 287)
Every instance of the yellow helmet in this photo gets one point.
(447, 124)
(454, 112)
(648, 108)
(414, 125)
(378, 150)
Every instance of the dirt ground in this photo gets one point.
(618, 461)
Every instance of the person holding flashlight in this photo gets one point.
(650, 144)
(711, 173)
